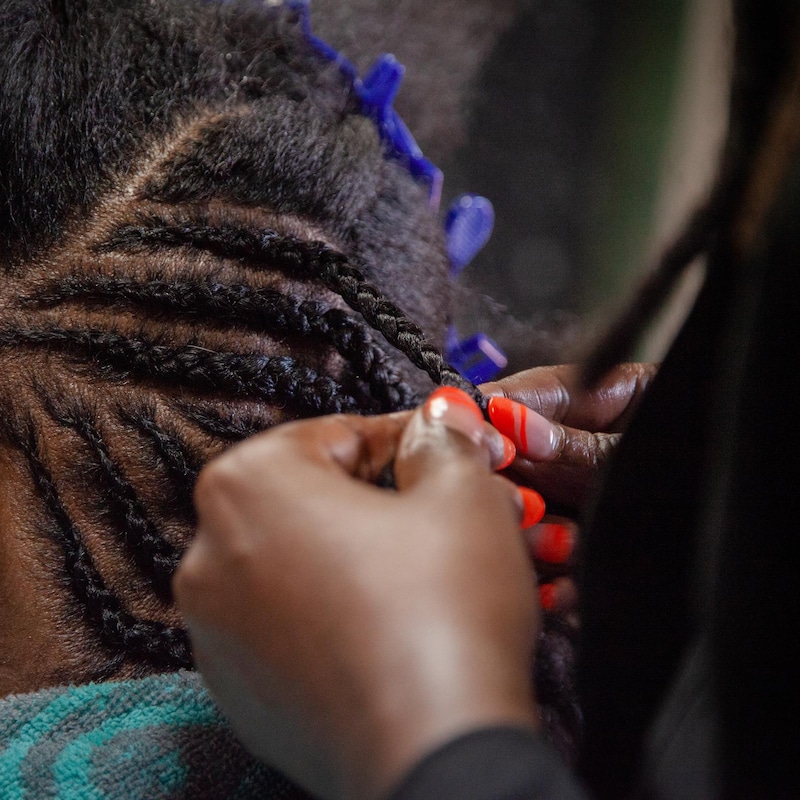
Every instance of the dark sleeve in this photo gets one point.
(503, 763)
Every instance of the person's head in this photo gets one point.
(191, 204)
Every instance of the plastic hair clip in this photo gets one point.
(470, 218)
(477, 357)
(468, 224)
(376, 94)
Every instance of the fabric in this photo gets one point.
(491, 764)
(157, 738)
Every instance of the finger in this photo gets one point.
(559, 461)
(536, 438)
(359, 446)
(447, 442)
(560, 595)
(448, 426)
(335, 457)
(448, 431)
(553, 392)
(552, 542)
(572, 477)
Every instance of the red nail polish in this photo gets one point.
(554, 543)
(534, 435)
(508, 418)
(451, 395)
(547, 596)
(533, 504)
(509, 453)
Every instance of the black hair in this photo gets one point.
(200, 236)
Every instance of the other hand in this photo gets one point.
(347, 629)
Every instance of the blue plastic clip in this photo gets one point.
(377, 93)
(468, 225)
(477, 358)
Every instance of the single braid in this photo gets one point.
(180, 463)
(232, 427)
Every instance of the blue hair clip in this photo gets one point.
(470, 218)
(376, 93)
(468, 224)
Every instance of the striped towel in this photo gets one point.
(150, 739)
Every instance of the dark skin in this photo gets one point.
(401, 589)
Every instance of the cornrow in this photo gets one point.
(304, 260)
(157, 558)
(232, 427)
(262, 309)
(164, 646)
(180, 463)
(114, 356)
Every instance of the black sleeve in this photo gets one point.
(503, 763)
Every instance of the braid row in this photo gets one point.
(154, 555)
(263, 310)
(274, 379)
(232, 427)
(179, 462)
(165, 646)
(305, 260)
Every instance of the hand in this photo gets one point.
(564, 436)
(347, 630)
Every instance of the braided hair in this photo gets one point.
(194, 223)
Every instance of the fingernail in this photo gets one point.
(534, 436)
(533, 507)
(547, 596)
(501, 449)
(554, 543)
(456, 410)
(509, 453)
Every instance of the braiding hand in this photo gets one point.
(563, 438)
(347, 629)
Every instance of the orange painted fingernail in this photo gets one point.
(533, 435)
(455, 409)
(509, 453)
(554, 543)
(547, 596)
(533, 507)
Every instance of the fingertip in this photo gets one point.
(456, 410)
(553, 542)
(533, 506)
(534, 435)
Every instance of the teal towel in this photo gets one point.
(158, 738)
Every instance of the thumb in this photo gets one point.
(448, 432)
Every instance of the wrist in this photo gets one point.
(428, 703)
